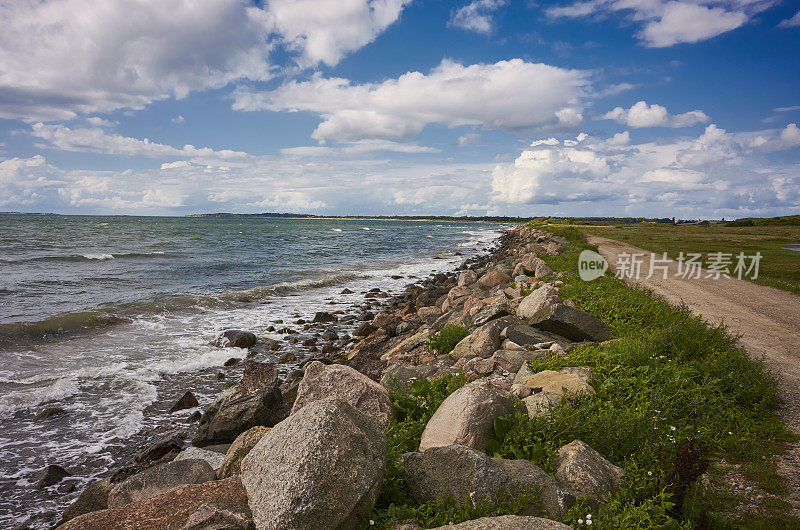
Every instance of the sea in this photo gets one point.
(112, 319)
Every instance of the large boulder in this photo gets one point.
(235, 338)
(493, 279)
(539, 404)
(469, 475)
(221, 515)
(558, 383)
(467, 277)
(322, 381)
(248, 403)
(159, 479)
(171, 510)
(213, 458)
(507, 522)
(466, 417)
(572, 323)
(482, 342)
(497, 309)
(536, 304)
(322, 467)
(398, 375)
(532, 265)
(586, 471)
(244, 443)
(529, 337)
(94, 497)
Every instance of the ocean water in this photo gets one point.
(112, 319)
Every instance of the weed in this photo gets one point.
(446, 339)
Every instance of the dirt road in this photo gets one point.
(766, 319)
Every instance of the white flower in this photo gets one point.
(588, 516)
(671, 427)
(730, 433)
(649, 473)
(371, 522)
(588, 522)
(580, 521)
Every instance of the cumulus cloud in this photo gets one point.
(126, 55)
(587, 172)
(669, 22)
(468, 139)
(508, 95)
(97, 140)
(790, 22)
(643, 115)
(476, 16)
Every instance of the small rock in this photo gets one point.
(52, 474)
(324, 316)
(49, 412)
(584, 469)
(235, 338)
(507, 522)
(557, 383)
(187, 401)
(539, 404)
(233, 361)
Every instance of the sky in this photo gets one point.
(654, 108)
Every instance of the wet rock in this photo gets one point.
(157, 450)
(51, 475)
(321, 468)
(270, 344)
(342, 382)
(94, 497)
(248, 403)
(49, 412)
(329, 335)
(346, 291)
(466, 417)
(168, 510)
(324, 316)
(160, 479)
(244, 443)
(363, 330)
(585, 470)
(187, 401)
(233, 361)
(235, 338)
(366, 316)
(194, 417)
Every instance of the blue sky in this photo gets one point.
(684, 108)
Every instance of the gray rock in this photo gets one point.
(322, 381)
(49, 412)
(585, 470)
(247, 404)
(213, 458)
(160, 479)
(221, 515)
(539, 404)
(572, 323)
(235, 338)
(466, 417)
(94, 497)
(402, 376)
(244, 443)
(482, 342)
(187, 401)
(320, 468)
(324, 316)
(512, 360)
(51, 475)
(467, 277)
(536, 304)
(491, 312)
(507, 522)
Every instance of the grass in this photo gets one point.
(779, 267)
(446, 339)
(666, 382)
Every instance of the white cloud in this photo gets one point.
(791, 22)
(176, 165)
(468, 139)
(643, 115)
(99, 141)
(787, 109)
(323, 31)
(65, 57)
(666, 23)
(359, 147)
(476, 16)
(508, 95)
(776, 140)
(100, 122)
(180, 120)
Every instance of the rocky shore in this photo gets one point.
(307, 448)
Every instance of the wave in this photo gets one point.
(64, 323)
(336, 229)
(88, 257)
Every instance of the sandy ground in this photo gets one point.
(767, 320)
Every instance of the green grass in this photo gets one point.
(666, 378)
(779, 267)
(446, 339)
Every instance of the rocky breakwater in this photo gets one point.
(312, 452)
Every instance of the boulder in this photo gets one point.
(159, 479)
(492, 311)
(467, 277)
(221, 515)
(244, 443)
(507, 522)
(466, 417)
(532, 265)
(187, 401)
(482, 342)
(364, 329)
(322, 381)
(472, 305)
(512, 360)
(530, 337)
(402, 376)
(320, 468)
(248, 403)
(94, 497)
(539, 404)
(572, 323)
(557, 383)
(51, 475)
(213, 458)
(585, 470)
(168, 510)
(536, 304)
(324, 316)
(235, 338)
(493, 279)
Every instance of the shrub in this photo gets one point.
(447, 338)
